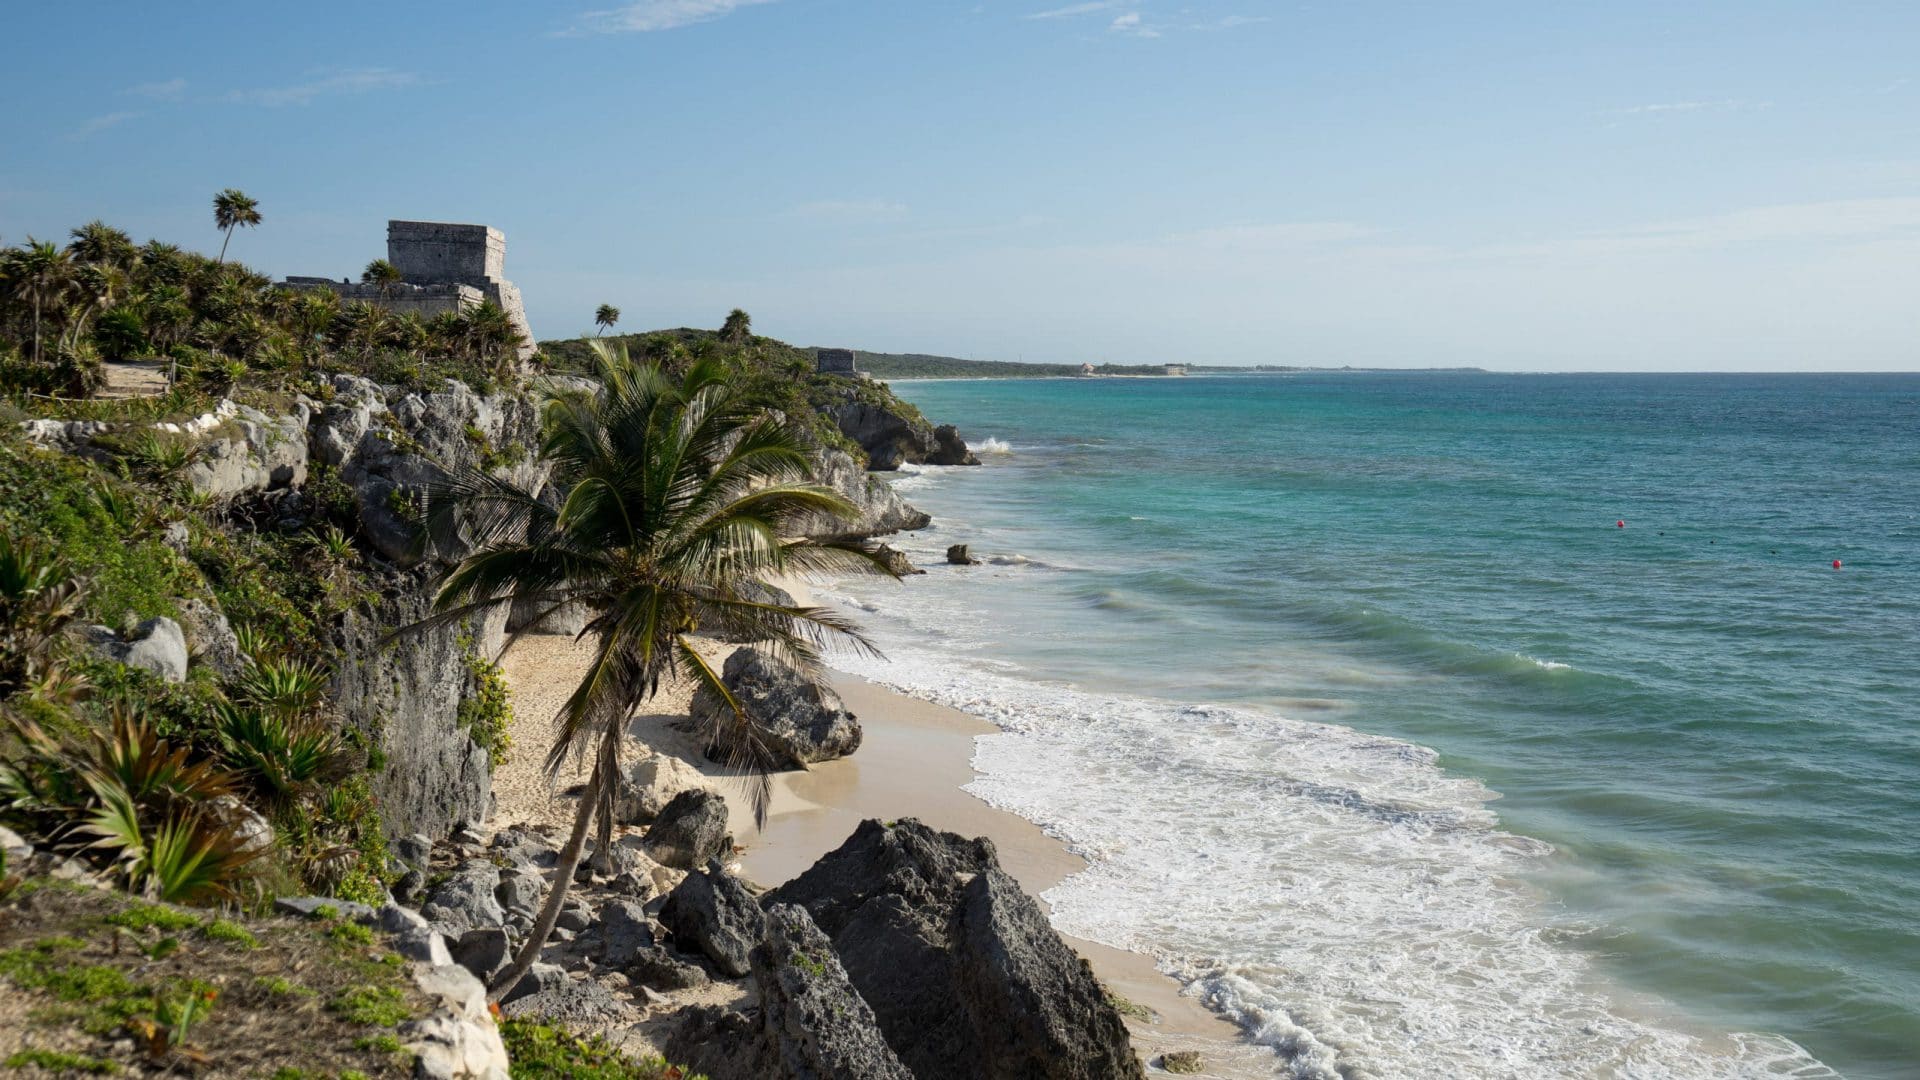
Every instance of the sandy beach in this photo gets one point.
(914, 760)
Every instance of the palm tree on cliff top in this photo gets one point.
(234, 209)
(605, 316)
(678, 498)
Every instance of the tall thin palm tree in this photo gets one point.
(99, 242)
(234, 209)
(605, 316)
(40, 273)
(678, 498)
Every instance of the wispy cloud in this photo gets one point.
(99, 124)
(1669, 108)
(1074, 10)
(354, 81)
(1229, 22)
(850, 211)
(166, 90)
(647, 16)
(1131, 26)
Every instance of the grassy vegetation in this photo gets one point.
(542, 1051)
(129, 986)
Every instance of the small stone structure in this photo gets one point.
(1176, 369)
(443, 267)
(836, 362)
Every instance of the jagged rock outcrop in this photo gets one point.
(811, 1024)
(251, 452)
(713, 914)
(391, 447)
(965, 975)
(896, 561)
(879, 509)
(210, 638)
(814, 1022)
(958, 555)
(799, 721)
(900, 435)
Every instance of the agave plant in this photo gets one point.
(127, 799)
(39, 598)
(285, 686)
(161, 456)
(284, 755)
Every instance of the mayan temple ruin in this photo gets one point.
(443, 267)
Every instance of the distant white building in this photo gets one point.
(1086, 369)
(1176, 369)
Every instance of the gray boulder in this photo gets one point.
(958, 555)
(690, 830)
(483, 951)
(158, 646)
(521, 891)
(624, 932)
(798, 720)
(712, 913)
(465, 900)
(658, 969)
(965, 975)
(538, 979)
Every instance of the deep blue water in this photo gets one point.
(1717, 733)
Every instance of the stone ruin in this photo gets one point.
(835, 362)
(443, 267)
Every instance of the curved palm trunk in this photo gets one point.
(36, 327)
(223, 247)
(557, 895)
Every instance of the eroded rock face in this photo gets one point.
(814, 1022)
(799, 720)
(405, 694)
(251, 452)
(893, 438)
(879, 509)
(965, 975)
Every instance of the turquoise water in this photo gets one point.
(1477, 782)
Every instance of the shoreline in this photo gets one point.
(914, 760)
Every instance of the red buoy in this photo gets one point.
(1836, 564)
(1619, 524)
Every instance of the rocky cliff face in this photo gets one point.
(879, 509)
(895, 436)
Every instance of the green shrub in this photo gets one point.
(541, 1051)
(487, 710)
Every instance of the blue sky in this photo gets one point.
(1529, 186)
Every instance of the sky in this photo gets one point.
(1521, 186)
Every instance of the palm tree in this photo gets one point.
(39, 273)
(677, 496)
(738, 329)
(605, 316)
(233, 209)
(98, 242)
(382, 273)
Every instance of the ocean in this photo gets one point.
(1385, 737)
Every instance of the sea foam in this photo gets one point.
(1352, 906)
